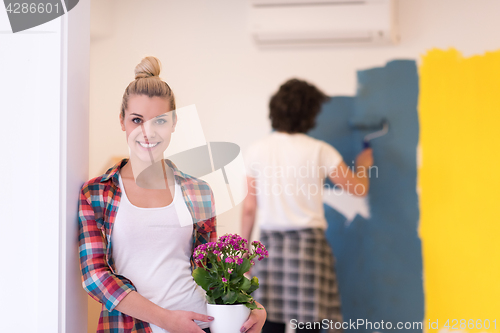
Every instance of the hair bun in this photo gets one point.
(149, 66)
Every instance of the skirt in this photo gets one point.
(298, 280)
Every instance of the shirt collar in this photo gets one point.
(112, 172)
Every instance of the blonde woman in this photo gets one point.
(140, 221)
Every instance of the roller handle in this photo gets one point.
(366, 144)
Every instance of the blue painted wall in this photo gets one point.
(379, 260)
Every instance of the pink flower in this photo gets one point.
(230, 270)
(229, 260)
(240, 261)
(224, 280)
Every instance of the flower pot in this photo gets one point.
(228, 318)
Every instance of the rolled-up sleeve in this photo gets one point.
(97, 278)
(207, 229)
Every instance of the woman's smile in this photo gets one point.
(148, 145)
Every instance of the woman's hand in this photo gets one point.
(355, 181)
(183, 321)
(256, 320)
(365, 158)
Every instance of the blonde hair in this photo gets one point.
(148, 82)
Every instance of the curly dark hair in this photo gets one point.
(294, 107)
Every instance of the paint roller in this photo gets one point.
(379, 127)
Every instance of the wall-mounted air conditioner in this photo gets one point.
(323, 22)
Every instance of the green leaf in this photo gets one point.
(213, 284)
(243, 298)
(244, 267)
(245, 284)
(210, 300)
(254, 285)
(251, 306)
(217, 292)
(235, 280)
(202, 278)
(230, 297)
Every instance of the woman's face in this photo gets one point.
(148, 124)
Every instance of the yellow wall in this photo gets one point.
(459, 181)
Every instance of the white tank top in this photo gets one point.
(152, 248)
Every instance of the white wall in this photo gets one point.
(209, 60)
(44, 156)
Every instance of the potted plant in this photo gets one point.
(220, 272)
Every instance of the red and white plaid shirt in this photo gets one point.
(98, 204)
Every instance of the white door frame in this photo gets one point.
(75, 161)
(44, 159)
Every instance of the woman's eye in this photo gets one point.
(137, 120)
(161, 121)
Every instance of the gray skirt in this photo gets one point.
(298, 280)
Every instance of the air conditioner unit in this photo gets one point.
(323, 22)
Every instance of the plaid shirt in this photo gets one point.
(98, 204)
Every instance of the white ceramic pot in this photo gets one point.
(228, 318)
